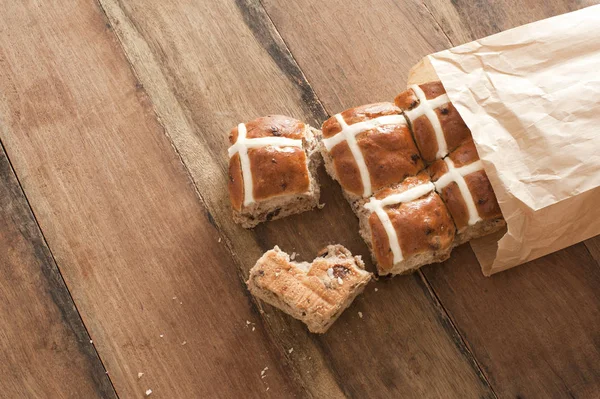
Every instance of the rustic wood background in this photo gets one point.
(118, 255)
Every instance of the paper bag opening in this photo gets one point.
(530, 96)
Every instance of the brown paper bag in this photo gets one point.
(531, 97)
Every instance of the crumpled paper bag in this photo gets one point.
(531, 97)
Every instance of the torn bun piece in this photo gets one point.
(436, 125)
(407, 226)
(369, 147)
(463, 184)
(273, 163)
(315, 293)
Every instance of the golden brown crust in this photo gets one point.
(407, 184)
(484, 196)
(330, 127)
(369, 111)
(437, 169)
(276, 171)
(380, 243)
(423, 225)
(433, 89)
(390, 154)
(389, 151)
(316, 295)
(236, 184)
(346, 170)
(455, 203)
(454, 128)
(407, 100)
(464, 154)
(271, 126)
(425, 138)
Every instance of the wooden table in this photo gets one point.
(118, 253)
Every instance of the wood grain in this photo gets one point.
(463, 21)
(355, 52)
(45, 350)
(156, 288)
(534, 331)
(203, 79)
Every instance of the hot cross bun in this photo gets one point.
(406, 226)
(273, 164)
(369, 147)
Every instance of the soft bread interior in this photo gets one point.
(315, 297)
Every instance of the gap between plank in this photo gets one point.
(463, 340)
(438, 24)
(589, 251)
(323, 111)
(87, 337)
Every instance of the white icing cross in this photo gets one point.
(427, 107)
(457, 175)
(349, 133)
(375, 205)
(241, 146)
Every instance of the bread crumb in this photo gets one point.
(91, 342)
(161, 335)
(340, 281)
(184, 343)
(174, 297)
(247, 322)
(219, 239)
(267, 389)
(360, 314)
(264, 371)
(253, 328)
(293, 256)
(181, 303)
(140, 375)
(291, 350)
(148, 392)
(376, 290)
(321, 206)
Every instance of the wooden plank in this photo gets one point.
(533, 330)
(203, 79)
(155, 286)
(45, 350)
(463, 21)
(356, 52)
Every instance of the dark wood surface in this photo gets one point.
(114, 115)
